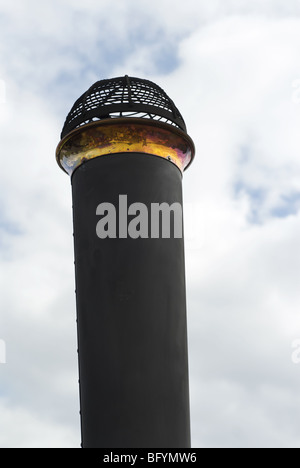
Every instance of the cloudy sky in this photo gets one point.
(233, 69)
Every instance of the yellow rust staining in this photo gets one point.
(123, 135)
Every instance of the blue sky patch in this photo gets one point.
(290, 205)
(257, 196)
(8, 230)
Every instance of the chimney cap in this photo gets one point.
(123, 97)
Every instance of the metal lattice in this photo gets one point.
(123, 97)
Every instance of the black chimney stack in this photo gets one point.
(125, 146)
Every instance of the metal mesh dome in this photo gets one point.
(123, 97)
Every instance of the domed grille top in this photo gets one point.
(123, 97)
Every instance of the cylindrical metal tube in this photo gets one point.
(125, 146)
(131, 307)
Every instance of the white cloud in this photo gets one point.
(232, 69)
(20, 428)
(243, 294)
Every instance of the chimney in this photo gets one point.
(125, 147)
